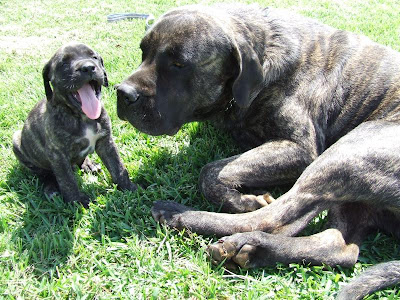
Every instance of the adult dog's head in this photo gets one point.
(195, 61)
(73, 77)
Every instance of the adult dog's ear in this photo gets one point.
(105, 74)
(250, 78)
(46, 81)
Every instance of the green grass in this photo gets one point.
(114, 249)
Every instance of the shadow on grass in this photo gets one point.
(168, 176)
(45, 237)
(163, 175)
(47, 234)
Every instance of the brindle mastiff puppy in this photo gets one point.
(63, 129)
(315, 106)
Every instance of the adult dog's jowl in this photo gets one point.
(312, 105)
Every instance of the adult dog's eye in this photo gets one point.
(178, 65)
(95, 57)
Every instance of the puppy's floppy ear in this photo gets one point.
(105, 74)
(46, 81)
(250, 78)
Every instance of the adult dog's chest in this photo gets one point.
(253, 127)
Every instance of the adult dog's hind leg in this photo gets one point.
(373, 279)
(259, 249)
(274, 163)
(363, 167)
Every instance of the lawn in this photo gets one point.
(114, 249)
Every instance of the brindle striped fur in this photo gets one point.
(57, 135)
(313, 106)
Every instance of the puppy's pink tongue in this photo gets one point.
(91, 106)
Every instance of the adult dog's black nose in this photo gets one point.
(88, 67)
(127, 93)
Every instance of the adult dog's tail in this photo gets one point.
(373, 279)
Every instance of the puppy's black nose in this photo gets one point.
(127, 93)
(88, 67)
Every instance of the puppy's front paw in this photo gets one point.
(80, 198)
(51, 190)
(84, 200)
(131, 187)
(127, 185)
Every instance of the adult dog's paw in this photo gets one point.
(169, 213)
(233, 251)
(252, 202)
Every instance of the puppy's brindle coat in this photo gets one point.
(313, 106)
(59, 134)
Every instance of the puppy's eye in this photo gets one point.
(95, 57)
(178, 65)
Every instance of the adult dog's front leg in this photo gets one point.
(348, 225)
(288, 215)
(259, 249)
(274, 163)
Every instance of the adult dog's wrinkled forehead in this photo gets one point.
(187, 32)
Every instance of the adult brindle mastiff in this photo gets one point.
(312, 105)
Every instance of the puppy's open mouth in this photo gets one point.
(89, 97)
